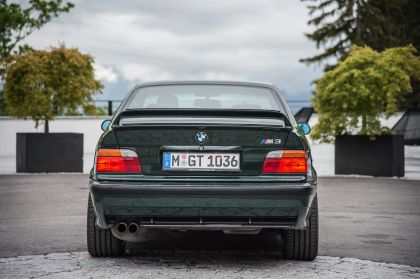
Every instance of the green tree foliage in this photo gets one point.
(43, 83)
(350, 98)
(17, 21)
(379, 24)
(102, 111)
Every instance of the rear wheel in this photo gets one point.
(303, 244)
(101, 242)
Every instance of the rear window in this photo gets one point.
(204, 96)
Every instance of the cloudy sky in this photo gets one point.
(135, 41)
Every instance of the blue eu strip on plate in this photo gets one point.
(166, 160)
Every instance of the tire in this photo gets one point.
(303, 244)
(101, 242)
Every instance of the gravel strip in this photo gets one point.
(184, 264)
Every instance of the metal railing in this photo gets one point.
(110, 104)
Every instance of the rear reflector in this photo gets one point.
(285, 161)
(117, 160)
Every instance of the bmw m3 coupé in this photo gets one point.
(194, 155)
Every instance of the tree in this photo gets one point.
(367, 84)
(43, 83)
(18, 22)
(379, 24)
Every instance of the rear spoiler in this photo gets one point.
(238, 113)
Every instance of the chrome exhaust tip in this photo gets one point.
(133, 227)
(122, 227)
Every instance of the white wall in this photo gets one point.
(90, 127)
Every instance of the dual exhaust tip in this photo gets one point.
(123, 227)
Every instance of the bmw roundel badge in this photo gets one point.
(201, 137)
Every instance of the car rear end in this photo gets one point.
(215, 163)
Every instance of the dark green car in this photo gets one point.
(225, 156)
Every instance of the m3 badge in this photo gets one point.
(270, 141)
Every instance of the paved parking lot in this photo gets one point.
(375, 219)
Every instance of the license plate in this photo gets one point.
(188, 161)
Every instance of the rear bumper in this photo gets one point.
(204, 205)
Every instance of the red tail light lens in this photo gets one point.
(285, 161)
(117, 160)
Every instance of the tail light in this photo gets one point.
(117, 160)
(285, 161)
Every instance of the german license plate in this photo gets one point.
(188, 161)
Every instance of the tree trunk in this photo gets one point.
(46, 127)
(363, 132)
(357, 39)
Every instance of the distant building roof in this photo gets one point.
(409, 126)
(304, 114)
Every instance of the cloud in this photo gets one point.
(105, 73)
(190, 39)
(138, 73)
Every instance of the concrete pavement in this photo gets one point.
(375, 219)
(367, 218)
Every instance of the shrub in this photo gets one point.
(366, 85)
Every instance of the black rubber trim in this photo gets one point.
(280, 189)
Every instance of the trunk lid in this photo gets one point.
(250, 133)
